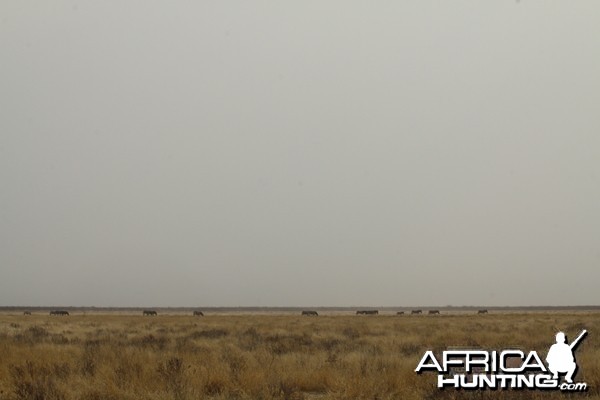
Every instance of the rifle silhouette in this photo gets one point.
(575, 342)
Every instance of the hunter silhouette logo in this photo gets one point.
(506, 369)
(560, 356)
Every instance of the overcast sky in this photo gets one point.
(279, 153)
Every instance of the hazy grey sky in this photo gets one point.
(223, 153)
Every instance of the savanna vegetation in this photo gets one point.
(265, 356)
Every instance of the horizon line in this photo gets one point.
(585, 306)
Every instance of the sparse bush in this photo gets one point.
(172, 373)
(215, 384)
(351, 333)
(128, 369)
(34, 334)
(249, 339)
(37, 332)
(34, 382)
(409, 349)
(156, 342)
(59, 339)
(88, 361)
(235, 360)
(60, 370)
(209, 334)
(283, 344)
(98, 394)
(330, 344)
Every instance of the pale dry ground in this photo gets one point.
(265, 356)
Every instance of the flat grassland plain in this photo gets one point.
(265, 356)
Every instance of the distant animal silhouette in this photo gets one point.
(59, 312)
(367, 312)
(198, 313)
(434, 312)
(27, 313)
(416, 312)
(310, 313)
(150, 312)
(482, 312)
(400, 313)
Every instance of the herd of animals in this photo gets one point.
(305, 312)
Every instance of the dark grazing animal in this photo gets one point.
(310, 313)
(27, 313)
(198, 314)
(416, 312)
(150, 312)
(59, 312)
(482, 312)
(367, 312)
(434, 312)
(400, 313)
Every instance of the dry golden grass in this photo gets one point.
(264, 356)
